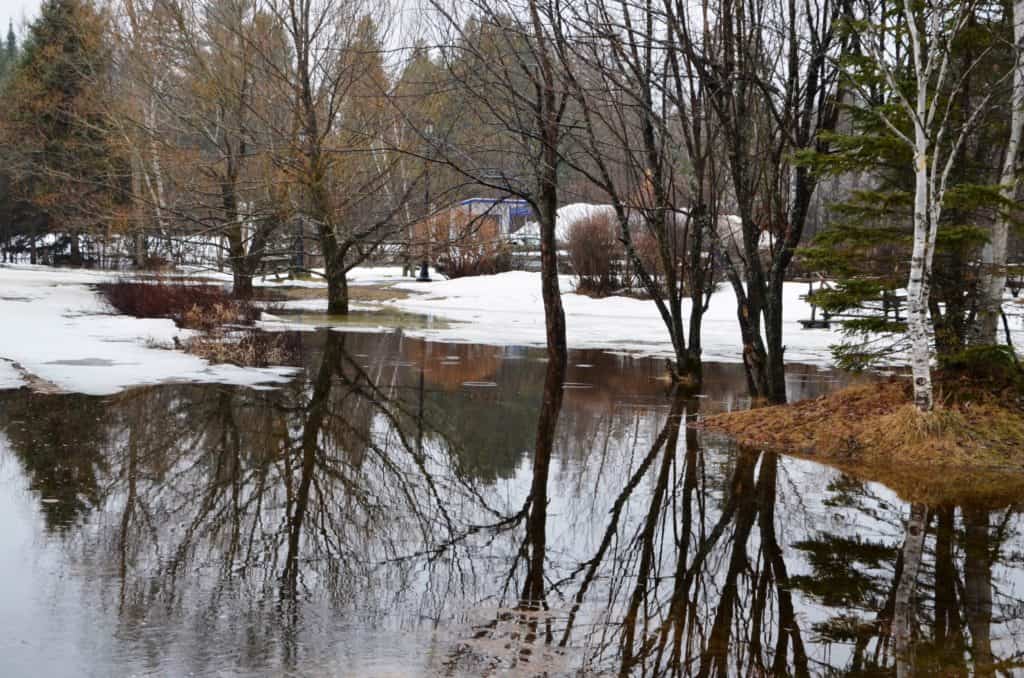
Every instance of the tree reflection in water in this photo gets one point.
(376, 513)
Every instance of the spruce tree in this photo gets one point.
(56, 125)
(866, 246)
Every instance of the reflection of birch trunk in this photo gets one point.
(903, 617)
(978, 590)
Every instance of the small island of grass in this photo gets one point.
(971, 444)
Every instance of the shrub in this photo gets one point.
(464, 244)
(595, 254)
(647, 249)
(156, 263)
(992, 367)
(250, 348)
(191, 306)
(463, 261)
(210, 310)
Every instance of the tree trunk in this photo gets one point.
(76, 250)
(775, 370)
(554, 317)
(141, 247)
(755, 363)
(917, 286)
(698, 281)
(337, 293)
(241, 282)
(237, 259)
(993, 256)
(978, 590)
(903, 615)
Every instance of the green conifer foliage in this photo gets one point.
(866, 245)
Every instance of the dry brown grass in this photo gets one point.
(972, 448)
(245, 349)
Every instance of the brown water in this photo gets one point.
(372, 519)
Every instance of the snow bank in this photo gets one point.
(507, 309)
(361, 275)
(61, 331)
(567, 216)
(226, 278)
(9, 377)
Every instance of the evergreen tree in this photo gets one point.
(56, 128)
(8, 52)
(867, 245)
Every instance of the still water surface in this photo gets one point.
(374, 519)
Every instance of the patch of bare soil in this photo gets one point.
(967, 449)
(356, 293)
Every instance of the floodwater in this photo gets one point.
(387, 515)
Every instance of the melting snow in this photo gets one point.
(507, 309)
(61, 331)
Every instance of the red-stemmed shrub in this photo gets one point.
(595, 253)
(195, 306)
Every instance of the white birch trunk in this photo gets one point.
(917, 285)
(993, 257)
(156, 186)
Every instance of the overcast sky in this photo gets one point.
(17, 10)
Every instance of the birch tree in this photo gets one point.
(924, 95)
(994, 255)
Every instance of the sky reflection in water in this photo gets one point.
(375, 518)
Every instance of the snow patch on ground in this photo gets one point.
(9, 376)
(507, 309)
(61, 331)
(359, 276)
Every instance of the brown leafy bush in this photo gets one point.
(596, 254)
(189, 305)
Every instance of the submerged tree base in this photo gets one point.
(970, 447)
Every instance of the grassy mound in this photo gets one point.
(971, 447)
